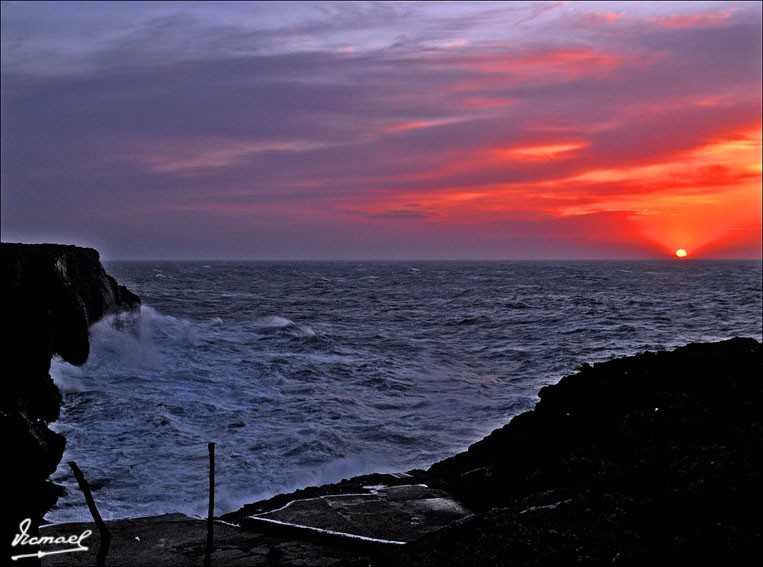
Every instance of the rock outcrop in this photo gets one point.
(50, 296)
(654, 459)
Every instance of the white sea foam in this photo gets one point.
(277, 322)
(65, 376)
(127, 337)
(120, 342)
(273, 322)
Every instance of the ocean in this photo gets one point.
(305, 373)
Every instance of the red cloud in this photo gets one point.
(565, 61)
(693, 20)
(593, 19)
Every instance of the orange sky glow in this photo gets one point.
(699, 199)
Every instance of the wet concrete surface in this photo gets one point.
(176, 539)
(332, 529)
(384, 514)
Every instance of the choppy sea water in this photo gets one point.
(309, 372)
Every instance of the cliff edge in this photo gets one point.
(50, 295)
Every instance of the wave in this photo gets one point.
(126, 343)
(275, 322)
(475, 320)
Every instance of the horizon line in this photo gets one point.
(620, 259)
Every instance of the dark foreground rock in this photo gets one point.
(50, 296)
(644, 460)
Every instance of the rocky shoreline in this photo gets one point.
(649, 459)
(51, 294)
(655, 458)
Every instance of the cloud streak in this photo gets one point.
(317, 126)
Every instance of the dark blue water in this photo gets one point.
(305, 373)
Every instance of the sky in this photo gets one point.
(383, 130)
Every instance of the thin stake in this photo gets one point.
(102, 529)
(211, 515)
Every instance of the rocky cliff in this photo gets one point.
(50, 295)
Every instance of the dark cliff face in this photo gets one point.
(50, 295)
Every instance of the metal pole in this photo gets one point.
(102, 529)
(211, 514)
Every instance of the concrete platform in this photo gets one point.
(177, 539)
(325, 530)
(392, 515)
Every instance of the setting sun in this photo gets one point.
(681, 253)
